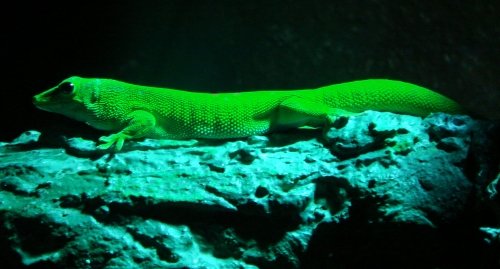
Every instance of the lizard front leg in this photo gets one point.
(139, 124)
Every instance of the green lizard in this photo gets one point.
(138, 111)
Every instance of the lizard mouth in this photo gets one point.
(40, 104)
(43, 103)
(37, 100)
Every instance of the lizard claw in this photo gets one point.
(112, 139)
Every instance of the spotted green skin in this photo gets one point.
(134, 111)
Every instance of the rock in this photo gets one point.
(378, 189)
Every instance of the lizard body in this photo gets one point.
(138, 111)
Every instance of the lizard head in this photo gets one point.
(70, 98)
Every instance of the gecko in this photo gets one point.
(133, 111)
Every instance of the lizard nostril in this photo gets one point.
(35, 99)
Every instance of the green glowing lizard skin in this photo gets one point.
(134, 111)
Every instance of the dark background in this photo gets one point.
(449, 46)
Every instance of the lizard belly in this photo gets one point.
(216, 130)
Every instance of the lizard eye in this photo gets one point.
(66, 87)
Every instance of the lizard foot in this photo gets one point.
(108, 141)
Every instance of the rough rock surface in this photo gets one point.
(376, 189)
